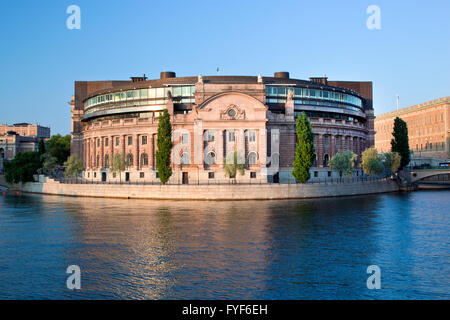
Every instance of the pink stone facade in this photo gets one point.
(428, 128)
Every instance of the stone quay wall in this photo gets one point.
(209, 192)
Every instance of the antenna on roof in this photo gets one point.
(398, 97)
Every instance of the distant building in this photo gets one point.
(20, 137)
(428, 128)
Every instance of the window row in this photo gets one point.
(139, 94)
(278, 91)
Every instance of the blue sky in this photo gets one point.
(40, 58)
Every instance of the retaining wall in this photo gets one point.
(210, 192)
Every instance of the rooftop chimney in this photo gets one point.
(137, 79)
(281, 75)
(167, 74)
(321, 80)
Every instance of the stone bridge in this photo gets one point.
(419, 174)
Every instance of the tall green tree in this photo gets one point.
(22, 167)
(371, 162)
(74, 166)
(59, 147)
(164, 143)
(304, 150)
(343, 162)
(41, 147)
(399, 142)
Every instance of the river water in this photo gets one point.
(290, 249)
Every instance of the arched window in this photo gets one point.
(106, 161)
(252, 158)
(326, 159)
(129, 160)
(210, 158)
(185, 158)
(144, 159)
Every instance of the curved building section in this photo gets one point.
(213, 117)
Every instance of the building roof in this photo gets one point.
(129, 85)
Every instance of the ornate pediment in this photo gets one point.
(232, 112)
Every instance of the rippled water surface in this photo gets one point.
(299, 249)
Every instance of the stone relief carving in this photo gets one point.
(232, 112)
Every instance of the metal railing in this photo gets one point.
(226, 182)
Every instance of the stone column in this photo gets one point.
(219, 146)
(87, 154)
(152, 151)
(343, 146)
(350, 143)
(111, 149)
(102, 152)
(136, 152)
(123, 145)
(240, 145)
(95, 152)
(333, 145)
(320, 151)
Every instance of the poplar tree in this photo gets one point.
(304, 150)
(399, 142)
(164, 143)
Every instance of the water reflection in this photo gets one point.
(296, 249)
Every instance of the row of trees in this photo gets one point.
(49, 156)
(344, 161)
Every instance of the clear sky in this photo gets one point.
(40, 57)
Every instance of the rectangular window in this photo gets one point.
(231, 136)
(316, 174)
(329, 173)
(144, 139)
(184, 138)
(130, 141)
(186, 91)
(275, 137)
(106, 142)
(210, 136)
(160, 93)
(210, 175)
(98, 142)
(117, 141)
(252, 175)
(141, 175)
(252, 136)
(176, 91)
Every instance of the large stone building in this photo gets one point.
(20, 137)
(214, 116)
(428, 129)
